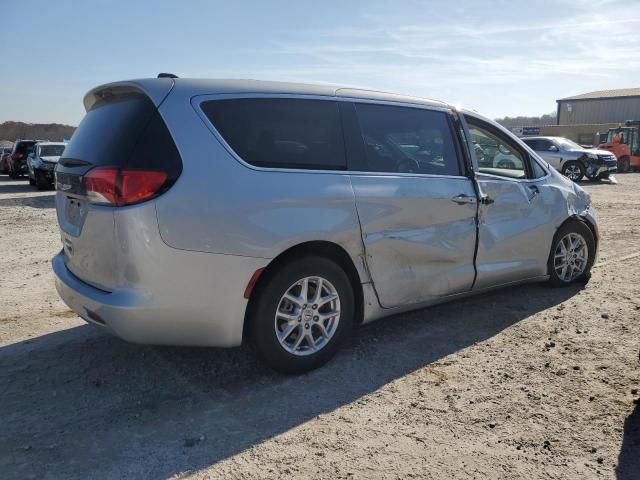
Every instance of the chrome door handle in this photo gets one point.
(464, 199)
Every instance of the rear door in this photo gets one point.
(416, 207)
(516, 215)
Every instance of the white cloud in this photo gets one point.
(559, 44)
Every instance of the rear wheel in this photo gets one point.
(572, 254)
(301, 314)
(573, 171)
(623, 164)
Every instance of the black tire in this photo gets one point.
(623, 164)
(41, 181)
(574, 226)
(13, 175)
(569, 167)
(261, 319)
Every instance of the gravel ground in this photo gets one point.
(528, 382)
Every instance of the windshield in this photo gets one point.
(51, 150)
(566, 143)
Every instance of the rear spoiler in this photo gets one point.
(156, 89)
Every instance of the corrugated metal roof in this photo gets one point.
(621, 92)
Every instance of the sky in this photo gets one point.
(498, 57)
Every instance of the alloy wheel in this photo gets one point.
(570, 257)
(307, 316)
(573, 172)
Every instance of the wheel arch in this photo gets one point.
(582, 219)
(319, 248)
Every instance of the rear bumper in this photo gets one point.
(190, 312)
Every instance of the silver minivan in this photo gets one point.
(212, 212)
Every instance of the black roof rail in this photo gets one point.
(167, 75)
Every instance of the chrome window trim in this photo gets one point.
(197, 101)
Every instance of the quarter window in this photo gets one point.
(407, 140)
(281, 132)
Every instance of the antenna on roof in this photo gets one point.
(167, 75)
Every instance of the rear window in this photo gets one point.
(125, 131)
(281, 133)
(24, 147)
(108, 132)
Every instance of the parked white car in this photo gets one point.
(572, 160)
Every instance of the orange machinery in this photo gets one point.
(624, 143)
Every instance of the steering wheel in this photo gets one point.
(507, 164)
(408, 165)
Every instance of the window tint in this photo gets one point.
(544, 145)
(534, 144)
(279, 132)
(496, 153)
(410, 140)
(539, 145)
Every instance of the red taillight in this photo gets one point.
(114, 186)
(17, 156)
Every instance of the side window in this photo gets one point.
(496, 153)
(407, 140)
(544, 145)
(281, 132)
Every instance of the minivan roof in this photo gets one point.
(202, 86)
(157, 88)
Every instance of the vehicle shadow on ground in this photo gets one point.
(37, 199)
(629, 459)
(14, 186)
(78, 403)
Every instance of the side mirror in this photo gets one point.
(553, 148)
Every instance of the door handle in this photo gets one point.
(534, 191)
(464, 199)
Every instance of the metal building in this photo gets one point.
(603, 106)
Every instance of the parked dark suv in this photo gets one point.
(18, 158)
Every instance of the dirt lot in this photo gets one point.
(528, 382)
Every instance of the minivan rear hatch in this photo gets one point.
(120, 154)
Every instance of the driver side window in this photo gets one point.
(496, 154)
(407, 140)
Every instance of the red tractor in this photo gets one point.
(624, 143)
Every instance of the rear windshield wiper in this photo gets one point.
(72, 162)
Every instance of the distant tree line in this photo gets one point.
(547, 119)
(35, 131)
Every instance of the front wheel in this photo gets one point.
(41, 181)
(572, 254)
(12, 174)
(302, 313)
(573, 171)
